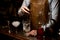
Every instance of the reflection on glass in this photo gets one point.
(26, 26)
(15, 24)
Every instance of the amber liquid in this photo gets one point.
(39, 13)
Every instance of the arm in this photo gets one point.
(25, 4)
(53, 12)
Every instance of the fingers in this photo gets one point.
(33, 32)
(25, 9)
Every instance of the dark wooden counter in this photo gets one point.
(14, 35)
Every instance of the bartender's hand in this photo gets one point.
(25, 9)
(33, 33)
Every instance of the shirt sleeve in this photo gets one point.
(25, 3)
(53, 12)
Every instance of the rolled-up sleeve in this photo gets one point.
(53, 12)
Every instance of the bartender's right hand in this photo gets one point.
(25, 9)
